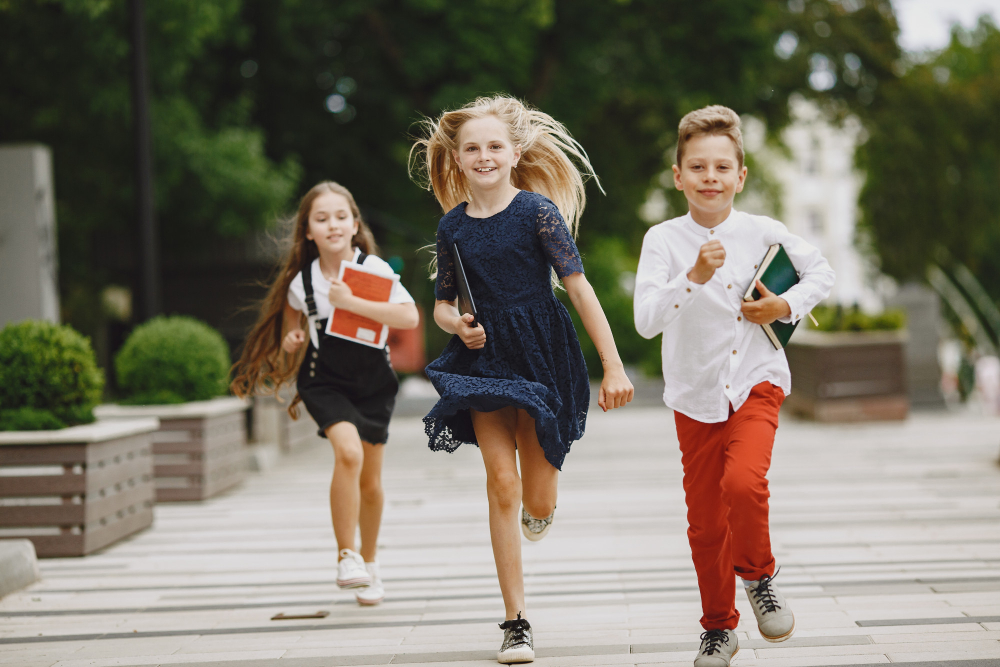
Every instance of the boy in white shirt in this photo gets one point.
(724, 379)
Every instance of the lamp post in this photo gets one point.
(148, 251)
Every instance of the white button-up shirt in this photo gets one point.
(712, 356)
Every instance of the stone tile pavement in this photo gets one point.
(888, 536)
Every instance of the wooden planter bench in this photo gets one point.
(272, 424)
(848, 376)
(200, 449)
(76, 490)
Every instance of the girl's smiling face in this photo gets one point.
(331, 223)
(485, 153)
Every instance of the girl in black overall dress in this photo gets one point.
(348, 388)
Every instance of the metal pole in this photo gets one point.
(148, 255)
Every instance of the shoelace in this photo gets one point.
(765, 594)
(713, 640)
(518, 630)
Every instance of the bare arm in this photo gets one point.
(616, 389)
(447, 317)
(396, 315)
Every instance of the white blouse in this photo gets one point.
(321, 287)
(712, 356)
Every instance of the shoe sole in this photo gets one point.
(369, 603)
(780, 638)
(516, 655)
(354, 583)
(534, 537)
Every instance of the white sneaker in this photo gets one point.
(351, 571)
(535, 529)
(374, 592)
(775, 619)
(718, 648)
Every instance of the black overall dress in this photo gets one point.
(346, 381)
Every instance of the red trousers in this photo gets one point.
(725, 487)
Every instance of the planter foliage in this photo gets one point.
(172, 360)
(49, 377)
(838, 318)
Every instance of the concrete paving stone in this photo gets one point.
(129, 661)
(856, 660)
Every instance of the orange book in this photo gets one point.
(368, 284)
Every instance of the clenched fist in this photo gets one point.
(711, 256)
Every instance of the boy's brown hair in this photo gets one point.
(716, 119)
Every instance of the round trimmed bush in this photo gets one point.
(48, 377)
(172, 360)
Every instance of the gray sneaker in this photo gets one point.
(535, 529)
(718, 648)
(775, 619)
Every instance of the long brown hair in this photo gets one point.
(264, 366)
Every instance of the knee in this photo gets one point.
(349, 456)
(371, 489)
(504, 490)
(744, 487)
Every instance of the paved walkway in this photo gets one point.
(888, 537)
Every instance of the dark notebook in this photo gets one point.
(778, 275)
(466, 305)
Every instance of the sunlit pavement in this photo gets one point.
(888, 537)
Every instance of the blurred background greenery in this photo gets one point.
(253, 101)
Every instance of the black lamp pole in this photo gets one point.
(148, 255)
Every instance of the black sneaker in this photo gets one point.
(517, 643)
(718, 647)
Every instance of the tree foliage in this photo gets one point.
(933, 162)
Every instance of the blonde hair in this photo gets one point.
(548, 163)
(263, 366)
(717, 120)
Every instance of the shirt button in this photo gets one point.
(739, 318)
(755, 266)
(711, 231)
(729, 287)
(676, 305)
(734, 351)
(727, 386)
(688, 289)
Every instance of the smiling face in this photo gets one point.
(710, 175)
(331, 224)
(485, 153)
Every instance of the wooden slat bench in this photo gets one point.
(76, 490)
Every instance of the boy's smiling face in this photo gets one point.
(710, 175)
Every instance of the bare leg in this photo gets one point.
(496, 432)
(539, 478)
(345, 493)
(371, 500)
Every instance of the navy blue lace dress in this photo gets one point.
(532, 358)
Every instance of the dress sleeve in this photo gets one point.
(444, 289)
(557, 243)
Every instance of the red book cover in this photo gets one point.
(368, 284)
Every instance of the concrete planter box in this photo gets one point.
(78, 489)
(271, 423)
(200, 449)
(848, 376)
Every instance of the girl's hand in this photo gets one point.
(473, 337)
(340, 293)
(767, 308)
(616, 389)
(293, 341)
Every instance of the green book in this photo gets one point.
(778, 275)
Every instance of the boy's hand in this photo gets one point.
(293, 341)
(711, 256)
(767, 308)
(616, 390)
(473, 337)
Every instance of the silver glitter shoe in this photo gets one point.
(518, 645)
(535, 529)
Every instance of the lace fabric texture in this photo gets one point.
(532, 358)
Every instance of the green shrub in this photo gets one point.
(172, 360)
(838, 318)
(48, 377)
